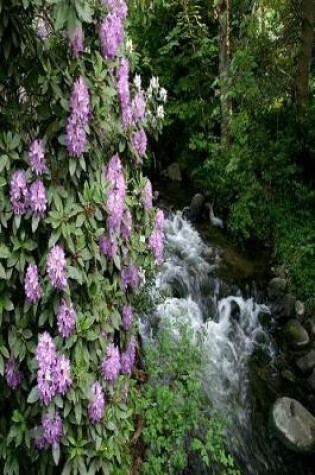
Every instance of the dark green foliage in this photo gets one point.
(177, 40)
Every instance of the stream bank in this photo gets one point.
(230, 294)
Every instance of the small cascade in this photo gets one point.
(189, 292)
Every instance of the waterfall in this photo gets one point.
(190, 293)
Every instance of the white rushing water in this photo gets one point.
(231, 329)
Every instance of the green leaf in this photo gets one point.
(56, 454)
(116, 260)
(4, 252)
(35, 223)
(72, 166)
(3, 274)
(78, 413)
(33, 396)
(75, 274)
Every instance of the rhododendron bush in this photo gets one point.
(78, 233)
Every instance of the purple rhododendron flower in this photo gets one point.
(139, 142)
(130, 277)
(36, 156)
(78, 119)
(76, 40)
(127, 316)
(12, 374)
(124, 92)
(66, 317)
(138, 107)
(19, 193)
(111, 35)
(97, 403)
(128, 357)
(53, 374)
(38, 198)
(62, 375)
(52, 429)
(156, 243)
(147, 195)
(46, 354)
(80, 100)
(108, 246)
(33, 290)
(110, 366)
(75, 136)
(117, 6)
(116, 194)
(126, 225)
(159, 220)
(56, 267)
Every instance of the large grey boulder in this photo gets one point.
(196, 208)
(294, 425)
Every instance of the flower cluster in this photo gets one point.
(128, 357)
(78, 119)
(34, 198)
(139, 143)
(111, 35)
(127, 316)
(124, 92)
(33, 290)
(12, 374)
(116, 194)
(146, 197)
(156, 240)
(76, 42)
(108, 246)
(56, 267)
(19, 193)
(38, 198)
(53, 374)
(130, 277)
(97, 403)
(119, 7)
(52, 428)
(66, 317)
(126, 225)
(110, 366)
(138, 107)
(36, 157)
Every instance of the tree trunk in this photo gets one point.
(223, 11)
(304, 58)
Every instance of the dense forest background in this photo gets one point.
(240, 114)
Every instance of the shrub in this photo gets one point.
(76, 218)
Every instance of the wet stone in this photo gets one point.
(307, 362)
(294, 425)
(296, 334)
(276, 288)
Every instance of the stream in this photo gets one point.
(239, 372)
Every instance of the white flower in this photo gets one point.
(149, 92)
(160, 112)
(163, 94)
(137, 81)
(154, 82)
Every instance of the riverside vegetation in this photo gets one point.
(78, 237)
